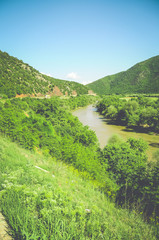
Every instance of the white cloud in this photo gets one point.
(86, 82)
(48, 74)
(73, 76)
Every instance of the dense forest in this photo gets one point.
(18, 78)
(141, 78)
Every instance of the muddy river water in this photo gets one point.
(89, 116)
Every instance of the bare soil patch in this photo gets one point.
(4, 228)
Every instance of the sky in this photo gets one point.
(80, 40)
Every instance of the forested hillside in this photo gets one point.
(42, 198)
(43, 206)
(141, 78)
(18, 78)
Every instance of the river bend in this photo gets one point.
(96, 122)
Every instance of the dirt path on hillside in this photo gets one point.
(3, 229)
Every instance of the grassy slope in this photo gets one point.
(17, 77)
(52, 205)
(141, 78)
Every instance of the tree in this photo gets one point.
(149, 117)
(138, 144)
(115, 139)
(11, 93)
(126, 163)
(112, 112)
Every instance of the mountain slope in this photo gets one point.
(42, 198)
(17, 77)
(141, 78)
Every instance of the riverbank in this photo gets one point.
(104, 131)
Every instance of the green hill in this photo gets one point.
(62, 185)
(141, 78)
(18, 78)
(42, 198)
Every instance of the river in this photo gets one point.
(89, 116)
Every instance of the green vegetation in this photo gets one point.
(140, 113)
(83, 191)
(141, 78)
(17, 77)
(120, 170)
(45, 124)
(60, 203)
(137, 178)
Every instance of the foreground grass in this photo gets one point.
(59, 203)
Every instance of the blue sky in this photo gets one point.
(80, 40)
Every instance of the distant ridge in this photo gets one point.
(141, 78)
(19, 79)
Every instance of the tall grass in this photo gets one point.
(59, 204)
